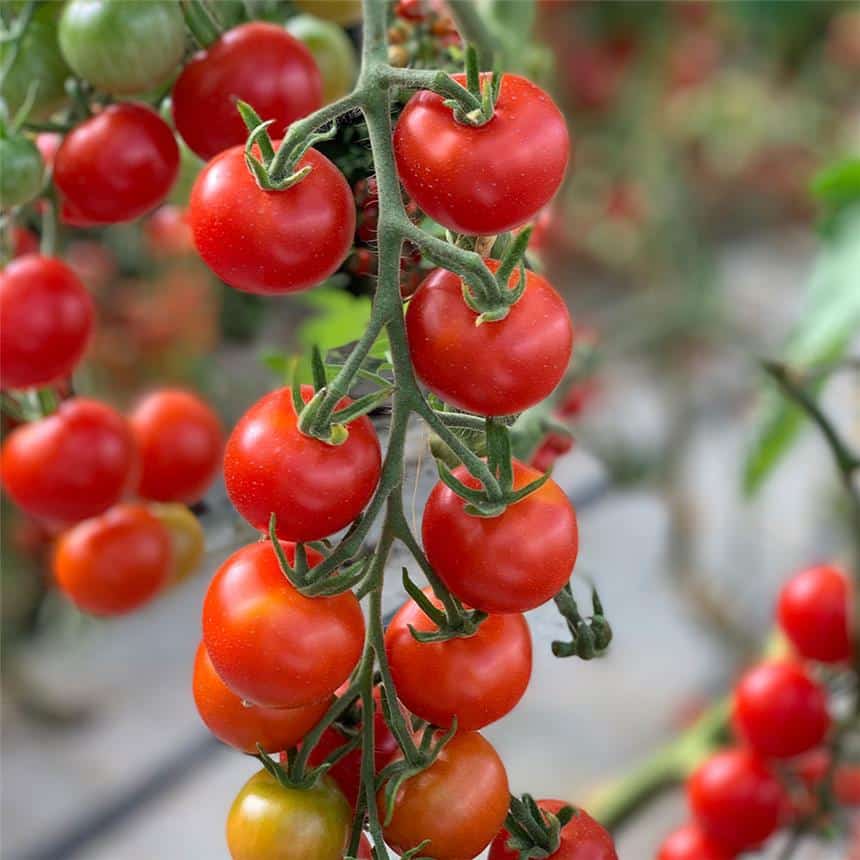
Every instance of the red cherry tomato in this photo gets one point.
(582, 838)
(552, 447)
(496, 368)
(813, 613)
(312, 487)
(24, 241)
(261, 64)
(71, 465)
(46, 318)
(489, 179)
(477, 679)
(168, 232)
(510, 563)
(180, 440)
(690, 842)
(779, 710)
(114, 563)
(814, 767)
(271, 645)
(364, 849)
(271, 242)
(242, 726)
(736, 799)
(117, 165)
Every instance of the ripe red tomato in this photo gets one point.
(489, 179)
(270, 644)
(71, 465)
(241, 726)
(509, 563)
(690, 842)
(736, 799)
(779, 710)
(271, 242)
(116, 166)
(459, 803)
(582, 838)
(496, 368)
(46, 318)
(364, 849)
(552, 447)
(180, 440)
(168, 232)
(814, 767)
(114, 563)
(313, 488)
(813, 613)
(261, 64)
(24, 241)
(477, 679)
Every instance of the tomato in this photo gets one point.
(364, 849)
(46, 318)
(114, 563)
(116, 165)
(510, 563)
(312, 487)
(813, 613)
(180, 440)
(553, 446)
(582, 838)
(168, 232)
(779, 710)
(814, 767)
(736, 799)
(122, 48)
(259, 63)
(459, 803)
(332, 51)
(488, 179)
(24, 241)
(270, 644)
(186, 537)
(495, 368)
(71, 465)
(690, 842)
(271, 242)
(270, 822)
(48, 143)
(22, 174)
(343, 12)
(477, 679)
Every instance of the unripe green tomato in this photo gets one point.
(123, 47)
(344, 12)
(333, 51)
(21, 171)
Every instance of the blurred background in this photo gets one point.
(706, 223)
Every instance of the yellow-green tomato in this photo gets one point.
(186, 536)
(333, 51)
(270, 822)
(344, 12)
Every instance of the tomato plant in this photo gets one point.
(343, 12)
(21, 179)
(690, 842)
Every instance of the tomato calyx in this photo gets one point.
(485, 93)
(452, 622)
(535, 833)
(590, 637)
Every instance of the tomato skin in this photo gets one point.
(23, 171)
(814, 767)
(690, 842)
(813, 613)
(313, 488)
(73, 464)
(180, 440)
(271, 242)
(736, 799)
(364, 849)
(46, 319)
(270, 822)
(116, 166)
(114, 563)
(186, 537)
(459, 803)
(477, 679)
(332, 51)
(259, 63)
(270, 644)
(510, 563)
(489, 179)
(581, 839)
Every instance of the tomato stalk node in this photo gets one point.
(590, 637)
(535, 833)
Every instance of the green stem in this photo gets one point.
(473, 30)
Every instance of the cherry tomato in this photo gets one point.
(736, 799)
(71, 465)
(343, 12)
(814, 767)
(364, 849)
(46, 318)
(332, 51)
(690, 842)
(779, 710)
(459, 803)
(180, 440)
(477, 679)
(114, 563)
(552, 447)
(116, 165)
(23, 171)
(270, 822)
(813, 613)
(312, 487)
(271, 242)
(510, 563)
(168, 232)
(488, 179)
(270, 644)
(24, 241)
(259, 63)
(582, 838)
(495, 368)
(186, 537)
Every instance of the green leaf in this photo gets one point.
(838, 186)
